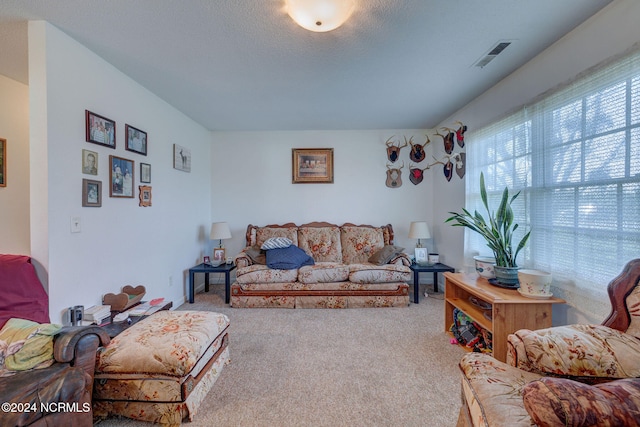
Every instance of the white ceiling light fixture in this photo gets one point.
(320, 15)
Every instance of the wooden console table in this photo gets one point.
(510, 311)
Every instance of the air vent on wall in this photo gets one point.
(493, 52)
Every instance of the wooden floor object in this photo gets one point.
(509, 310)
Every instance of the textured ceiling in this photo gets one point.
(244, 64)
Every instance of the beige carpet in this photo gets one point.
(353, 367)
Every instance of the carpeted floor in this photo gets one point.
(353, 367)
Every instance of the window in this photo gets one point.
(575, 157)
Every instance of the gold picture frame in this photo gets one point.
(218, 256)
(312, 165)
(144, 195)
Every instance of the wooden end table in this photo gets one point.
(207, 269)
(509, 310)
(433, 268)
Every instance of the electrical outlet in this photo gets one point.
(76, 225)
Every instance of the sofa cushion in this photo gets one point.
(633, 300)
(262, 274)
(578, 350)
(166, 343)
(492, 391)
(264, 233)
(289, 258)
(322, 243)
(373, 273)
(323, 272)
(359, 243)
(563, 402)
(386, 254)
(276, 243)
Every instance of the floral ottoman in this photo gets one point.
(160, 369)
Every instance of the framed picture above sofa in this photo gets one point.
(312, 165)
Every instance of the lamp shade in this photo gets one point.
(419, 230)
(320, 15)
(220, 231)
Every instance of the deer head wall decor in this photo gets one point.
(393, 151)
(394, 176)
(417, 151)
(416, 175)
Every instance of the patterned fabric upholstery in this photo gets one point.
(160, 369)
(359, 243)
(322, 243)
(341, 277)
(577, 350)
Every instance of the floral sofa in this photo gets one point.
(576, 375)
(350, 266)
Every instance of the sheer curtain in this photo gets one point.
(575, 157)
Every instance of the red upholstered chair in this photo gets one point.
(59, 394)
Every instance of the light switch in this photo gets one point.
(76, 226)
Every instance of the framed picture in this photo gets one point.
(100, 130)
(206, 259)
(312, 165)
(218, 256)
(181, 158)
(145, 195)
(91, 193)
(3, 162)
(145, 173)
(120, 177)
(89, 162)
(136, 140)
(421, 256)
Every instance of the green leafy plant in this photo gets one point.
(498, 232)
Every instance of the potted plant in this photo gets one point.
(498, 231)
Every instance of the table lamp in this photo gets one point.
(420, 230)
(219, 231)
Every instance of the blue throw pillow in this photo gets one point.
(288, 258)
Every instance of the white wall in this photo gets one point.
(120, 243)
(14, 198)
(252, 182)
(607, 34)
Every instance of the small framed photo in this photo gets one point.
(181, 158)
(218, 256)
(421, 256)
(136, 140)
(145, 173)
(100, 130)
(145, 195)
(91, 193)
(206, 259)
(89, 162)
(121, 177)
(312, 165)
(3, 162)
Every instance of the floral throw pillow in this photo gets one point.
(563, 402)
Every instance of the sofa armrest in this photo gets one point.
(588, 353)
(243, 260)
(77, 345)
(402, 259)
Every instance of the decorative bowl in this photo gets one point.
(484, 266)
(534, 282)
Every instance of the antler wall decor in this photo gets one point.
(393, 151)
(450, 161)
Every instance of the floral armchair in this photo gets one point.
(46, 371)
(578, 375)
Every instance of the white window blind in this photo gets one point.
(575, 157)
